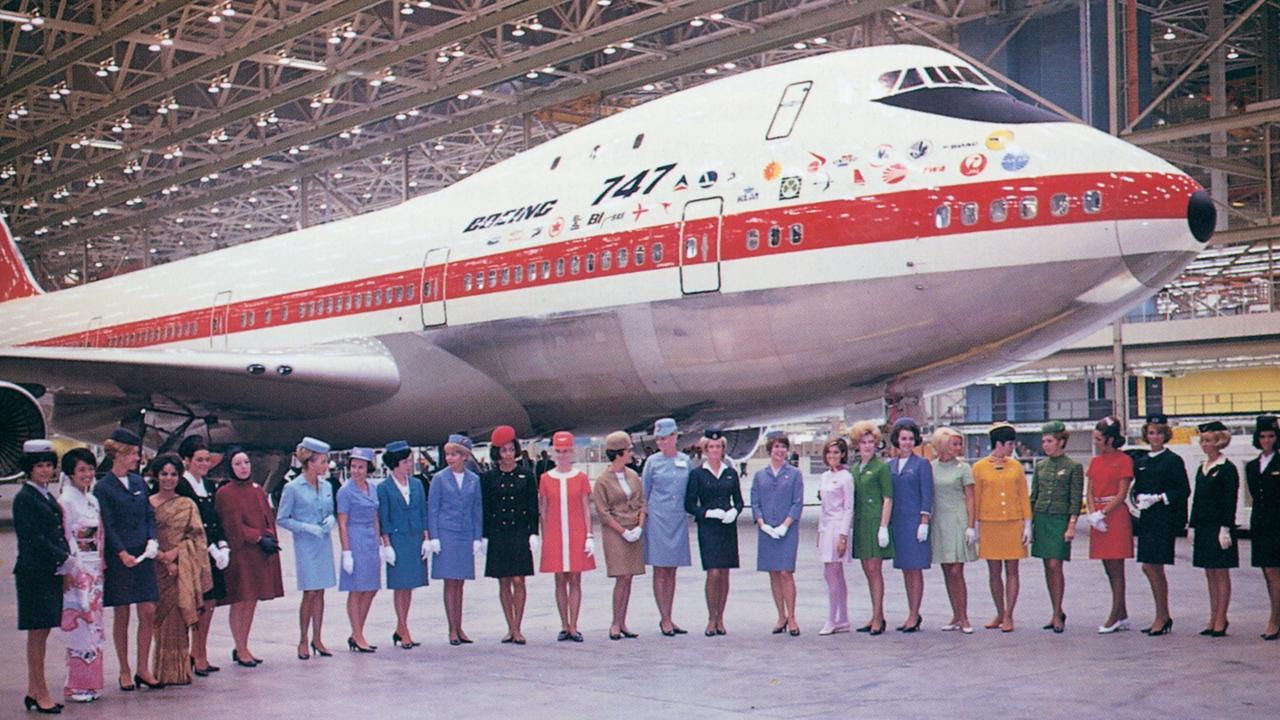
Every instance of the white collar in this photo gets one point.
(42, 490)
(1265, 459)
(716, 473)
(197, 485)
(1209, 466)
(553, 472)
(1153, 454)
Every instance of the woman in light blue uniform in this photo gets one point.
(362, 549)
(306, 510)
(402, 517)
(455, 522)
(912, 509)
(777, 499)
(666, 527)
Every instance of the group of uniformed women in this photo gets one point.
(180, 550)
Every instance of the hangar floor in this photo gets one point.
(1029, 673)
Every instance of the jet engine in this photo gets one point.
(20, 420)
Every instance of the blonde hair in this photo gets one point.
(864, 427)
(704, 441)
(941, 436)
(1220, 438)
(111, 448)
(460, 448)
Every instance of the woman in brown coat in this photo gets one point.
(619, 500)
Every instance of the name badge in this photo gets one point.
(682, 464)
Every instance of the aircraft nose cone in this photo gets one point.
(1202, 216)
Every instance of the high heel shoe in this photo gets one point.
(1165, 629)
(877, 630)
(1272, 636)
(137, 680)
(912, 628)
(397, 641)
(672, 631)
(125, 688)
(1222, 632)
(198, 672)
(318, 651)
(235, 657)
(32, 704)
(629, 635)
(353, 647)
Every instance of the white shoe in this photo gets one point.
(1124, 624)
(966, 629)
(1117, 627)
(950, 627)
(827, 630)
(842, 628)
(84, 697)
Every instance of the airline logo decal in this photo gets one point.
(960, 146)
(845, 160)
(857, 177)
(772, 171)
(527, 212)
(817, 162)
(682, 183)
(973, 165)
(790, 188)
(999, 139)
(556, 227)
(640, 210)
(895, 173)
(934, 169)
(822, 181)
(1015, 159)
(748, 194)
(708, 179)
(882, 155)
(919, 149)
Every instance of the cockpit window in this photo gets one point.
(890, 79)
(935, 74)
(970, 76)
(911, 79)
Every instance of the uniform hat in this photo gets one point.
(314, 445)
(617, 440)
(125, 436)
(713, 434)
(460, 439)
(776, 435)
(31, 447)
(665, 427)
(396, 446)
(1053, 427)
(502, 435)
(1264, 423)
(1157, 419)
(562, 440)
(1002, 432)
(905, 422)
(362, 453)
(1211, 426)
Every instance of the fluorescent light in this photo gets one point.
(14, 17)
(106, 144)
(303, 64)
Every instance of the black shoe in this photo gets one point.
(678, 630)
(576, 636)
(31, 704)
(877, 631)
(794, 633)
(396, 642)
(520, 641)
(913, 628)
(1272, 636)
(125, 688)
(628, 634)
(137, 680)
(721, 631)
(318, 651)
(864, 629)
(507, 639)
(564, 635)
(455, 642)
(783, 628)
(615, 636)
(709, 633)
(1207, 631)
(1165, 629)
(672, 631)
(235, 657)
(196, 670)
(463, 640)
(212, 668)
(353, 647)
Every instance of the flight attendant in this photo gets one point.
(951, 527)
(196, 487)
(1057, 487)
(82, 599)
(509, 497)
(1004, 521)
(182, 571)
(568, 547)
(777, 499)
(912, 507)
(619, 500)
(1110, 474)
(362, 550)
(666, 530)
(1263, 477)
(714, 499)
(1160, 492)
(402, 518)
(872, 510)
(455, 521)
(42, 560)
(129, 525)
(1213, 520)
(253, 574)
(834, 545)
(306, 510)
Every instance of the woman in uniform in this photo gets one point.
(1263, 477)
(509, 496)
(253, 574)
(182, 571)
(714, 499)
(306, 510)
(951, 528)
(42, 554)
(872, 509)
(1056, 489)
(568, 548)
(835, 490)
(402, 518)
(619, 500)
(1213, 520)
(82, 598)
(777, 499)
(1004, 521)
(912, 507)
(1109, 475)
(1160, 492)
(129, 525)
(197, 461)
(666, 530)
(455, 522)
(362, 550)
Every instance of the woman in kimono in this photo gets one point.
(666, 529)
(951, 528)
(1263, 477)
(872, 509)
(835, 490)
(1213, 520)
(197, 488)
(182, 572)
(82, 601)
(253, 573)
(912, 509)
(509, 497)
(568, 547)
(306, 510)
(402, 518)
(1160, 492)
(777, 498)
(455, 520)
(714, 499)
(619, 500)
(362, 550)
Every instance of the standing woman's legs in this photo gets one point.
(504, 599)
(459, 587)
(401, 599)
(1115, 574)
(913, 580)
(146, 630)
(575, 599)
(317, 618)
(1012, 583)
(120, 635)
(996, 580)
(711, 591)
(518, 596)
(37, 688)
(240, 618)
(562, 599)
(873, 569)
(200, 634)
(789, 597)
(1056, 582)
(957, 593)
(1224, 597)
(775, 587)
(724, 598)
(664, 592)
(621, 592)
(1272, 576)
(1159, 592)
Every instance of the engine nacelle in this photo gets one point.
(21, 419)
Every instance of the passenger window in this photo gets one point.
(657, 253)
(408, 292)
(546, 269)
(555, 163)
(753, 239)
(377, 297)
(518, 274)
(493, 277)
(635, 145)
(399, 294)
(911, 78)
(969, 213)
(328, 306)
(591, 262)
(506, 276)
(1059, 204)
(775, 236)
(691, 247)
(999, 211)
(480, 280)
(639, 255)
(622, 258)
(533, 271)
(560, 267)
(1027, 208)
(368, 298)
(942, 216)
(359, 304)
(797, 234)
(606, 260)
(574, 265)
(1092, 201)
(302, 311)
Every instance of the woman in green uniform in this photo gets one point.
(1057, 488)
(872, 506)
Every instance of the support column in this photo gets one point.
(304, 212)
(404, 175)
(1119, 378)
(1218, 187)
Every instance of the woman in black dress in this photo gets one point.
(42, 550)
(1160, 492)
(509, 498)
(714, 498)
(1213, 518)
(196, 462)
(1263, 477)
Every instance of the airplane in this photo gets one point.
(850, 228)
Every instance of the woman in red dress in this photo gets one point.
(1109, 476)
(568, 548)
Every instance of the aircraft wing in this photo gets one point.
(305, 382)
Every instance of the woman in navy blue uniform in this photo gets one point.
(1160, 492)
(129, 526)
(196, 487)
(402, 518)
(912, 509)
(509, 498)
(42, 551)
(1263, 477)
(714, 498)
(1213, 519)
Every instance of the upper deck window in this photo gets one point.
(788, 110)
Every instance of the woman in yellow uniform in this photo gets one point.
(1004, 520)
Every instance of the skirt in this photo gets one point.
(1000, 540)
(39, 600)
(1048, 531)
(1266, 544)
(1207, 553)
(219, 589)
(717, 544)
(1117, 542)
(508, 557)
(622, 558)
(125, 586)
(456, 560)
(777, 555)
(1155, 544)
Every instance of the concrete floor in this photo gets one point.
(749, 672)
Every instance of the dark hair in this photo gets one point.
(77, 455)
(612, 455)
(1003, 435)
(393, 458)
(30, 460)
(783, 440)
(842, 445)
(158, 462)
(495, 450)
(1164, 429)
(1111, 430)
(191, 445)
(901, 425)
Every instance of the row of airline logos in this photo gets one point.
(883, 163)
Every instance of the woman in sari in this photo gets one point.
(183, 575)
(82, 601)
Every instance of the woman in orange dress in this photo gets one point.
(568, 547)
(1003, 504)
(1109, 476)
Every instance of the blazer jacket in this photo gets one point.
(610, 500)
(42, 542)
(452, 510)
(1264, 488)
(1214, 504)
(128, 520)
(397, 518)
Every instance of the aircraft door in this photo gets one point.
(700, 246)
(434, 267)
(219, 320)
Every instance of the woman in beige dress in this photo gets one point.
(619, 500)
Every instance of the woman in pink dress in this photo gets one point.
(82, 601)
(1109, 476)
(568, 547)
(834, 546)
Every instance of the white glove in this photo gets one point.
(1145, 501)
(387, 554)
(730, 516)
(780, 531)
(1101, 526)
(484, 546)
(223, 559)
(1026, 532)
(767, 529)
(330, 522)
(631, 535)
(348, 562)
(882, 537)
(435, 546)
(715, 514)
(426, 549)
(1095, 519)
(477, 548)
(1224, 538)
(152, 549)
(590, 547)
(922, 532)
(970, 535)
(535, 542)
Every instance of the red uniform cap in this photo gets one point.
(502, 435)
(562, 440)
